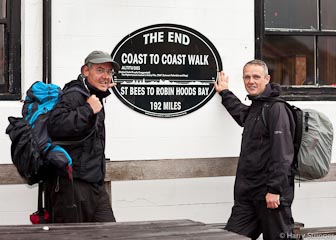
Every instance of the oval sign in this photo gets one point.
(167, 70)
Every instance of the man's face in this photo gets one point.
(255, 79)
(99, 75)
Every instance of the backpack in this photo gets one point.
(313, 139)
(32, 150)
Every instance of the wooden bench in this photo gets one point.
(149, 230)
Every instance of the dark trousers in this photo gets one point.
(251, 218)
(78, 201)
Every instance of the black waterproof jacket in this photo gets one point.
(73, 120)
(266, 152)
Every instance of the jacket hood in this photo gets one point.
(271, 90)
(78, 82)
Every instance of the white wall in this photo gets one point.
(80, 26)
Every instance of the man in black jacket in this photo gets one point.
(264, 184)
(80, 118)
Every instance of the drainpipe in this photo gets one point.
(46, 58)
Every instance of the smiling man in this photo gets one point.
(79, 116)
(264, 184)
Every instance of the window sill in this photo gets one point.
(308, 93)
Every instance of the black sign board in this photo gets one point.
(167, 70)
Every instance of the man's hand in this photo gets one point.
(272, 200)
(222, 82)
(94, 103)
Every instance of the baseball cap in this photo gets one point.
(101, 57)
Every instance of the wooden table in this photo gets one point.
(149, 230)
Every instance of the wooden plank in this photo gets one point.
(116, 225)
(9, 175)
(165, 230)
(159, 169)
(317, 233)
(322, 230)
(171, 168)
(151, 230)
(149, 169)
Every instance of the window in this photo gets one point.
(10, 49)
(297, 40)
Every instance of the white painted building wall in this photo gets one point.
(80, 26)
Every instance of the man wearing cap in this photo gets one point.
(80, 118)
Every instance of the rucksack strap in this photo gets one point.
(68, 143)
(296, 112)
(296, 129)
(87, 94)
(267, 105)
(76, 89)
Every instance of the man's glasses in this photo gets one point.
(101, 71)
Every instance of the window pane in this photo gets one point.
(3, 87)
(290, 59)
(291, 14)
(328, 16)
(327, 60)
(2, 8)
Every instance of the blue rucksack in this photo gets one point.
(32, 150)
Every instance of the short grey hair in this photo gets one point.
(259, 63)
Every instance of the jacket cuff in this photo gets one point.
(272, 190)
(224, 92)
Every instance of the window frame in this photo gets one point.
(292, 93)
(12, 47)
